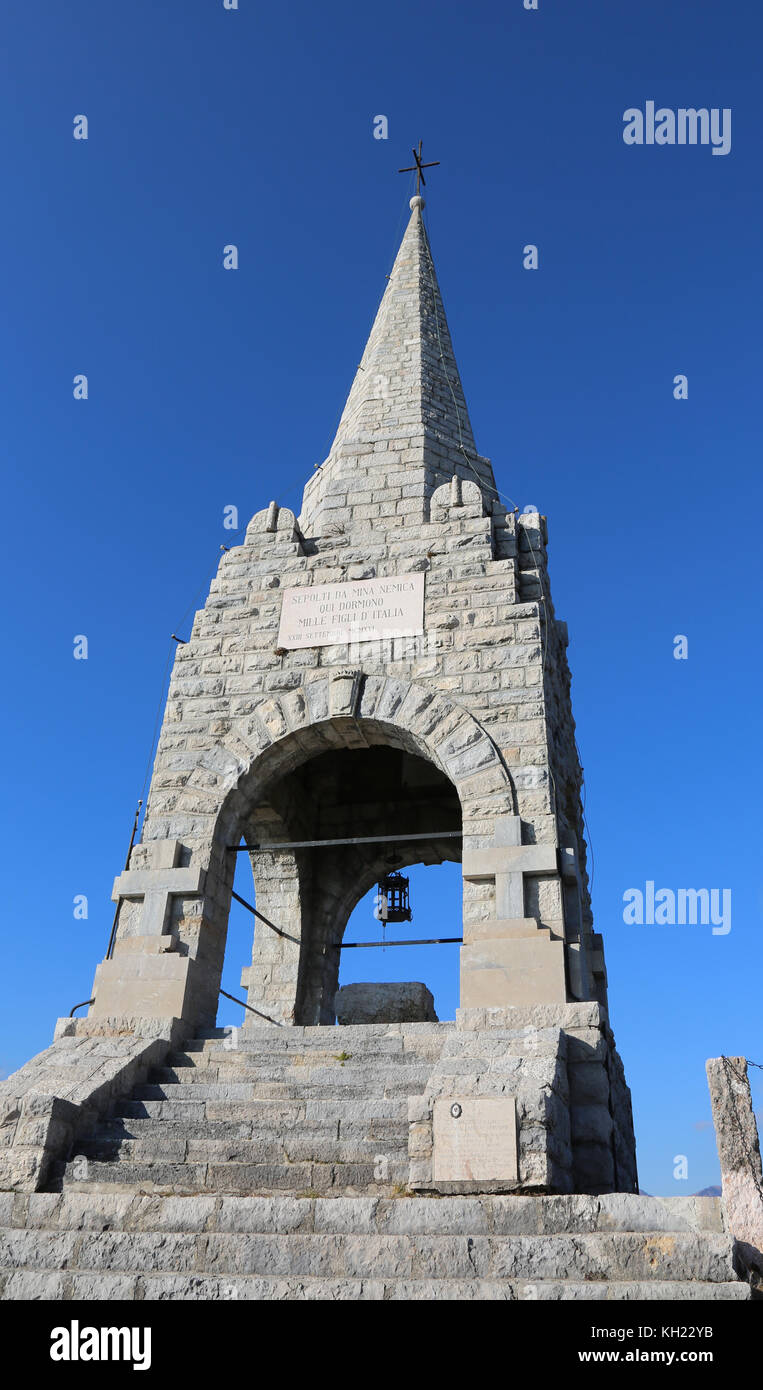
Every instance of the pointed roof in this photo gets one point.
(405, 428)
(408, 374)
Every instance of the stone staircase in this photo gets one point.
(270, 1164)
(125, 1245)
(306, 1110)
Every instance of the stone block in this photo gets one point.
(494, 929)
(410, 1002)
(515, 971)
(508, 859)
(148, 985)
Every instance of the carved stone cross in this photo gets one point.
(508, 862)
(157, 885)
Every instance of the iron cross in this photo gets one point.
(419, 167)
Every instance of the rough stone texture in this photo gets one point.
(528, 1065)
(738, 1144)
(57, 1096)
(596, 1098)
(101, 1246)
(411, 1002)
(345, 1108)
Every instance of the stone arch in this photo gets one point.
(315, 998)
(339, 710)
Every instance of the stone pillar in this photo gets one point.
(736, 1135)
(509, 959)
(272, 979)
(146, 977)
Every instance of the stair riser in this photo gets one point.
(159, 1134)
(340, 1076)
(264, 1149)
(242, 1178)
(274, 1090)
(314, 1056)
(310, 1113)
(331, 1036)
(466, 1216)
(602, 1258)
(27, 1285)
(236, 1046)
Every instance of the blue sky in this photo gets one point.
(209, 388)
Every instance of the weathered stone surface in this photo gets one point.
(96, 1245)
(738, 1144)
(411, 1002)
(54, 1098)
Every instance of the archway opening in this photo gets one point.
(376, 803)
(435, 893)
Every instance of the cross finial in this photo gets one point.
(419, 168)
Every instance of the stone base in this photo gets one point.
(558, 1063)
(146, 978)
(503, 964)
(494, 1116)
(56, 1097)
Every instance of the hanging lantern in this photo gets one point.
(392, 899)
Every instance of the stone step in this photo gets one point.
(361, 1042)
(324, 1035)
(340, 1075)
(397, 1046)
(249, 1091)
(264, 1111)
(295, 1147)
(239, 1070)
(463, 1215)
(92, 1287)
(116, 1133)
(634, 1258)
(306, 1176)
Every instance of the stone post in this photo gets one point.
(736, 1136)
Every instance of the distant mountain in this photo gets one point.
(705, 1192)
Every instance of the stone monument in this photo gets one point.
(386, 668)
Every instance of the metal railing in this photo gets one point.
(425, 941)
(80, 1006)
(354, 840)
(267, 1017)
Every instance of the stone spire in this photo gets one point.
(405, 424)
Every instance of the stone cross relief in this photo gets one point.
(157, 885)
(508, 862)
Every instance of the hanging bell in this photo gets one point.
(391, 903)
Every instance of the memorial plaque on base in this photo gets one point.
(475, 1139)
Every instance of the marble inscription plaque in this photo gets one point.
(363, 610)
(475, 1139)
